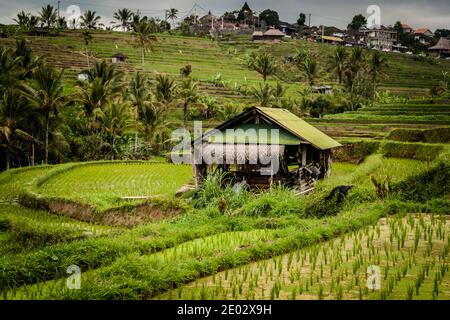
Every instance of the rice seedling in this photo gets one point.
(311, 276)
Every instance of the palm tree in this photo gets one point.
(12, 109)
(116, 119)
(188, 92)
(264, 95)
(47, 95)
(27, 62)
(264, 64)
(26, 20)
(10, 68)
(278, 93)
(124, 17)
(355, 66)
(140, 97)
(90, 19)
(106, 72)
(229, 111)
(23, 19)
(151, 116)
(61, 22)
(87, 38)
(307, 65)
(172, 14)
(305, 101)
(144, 37)
(165, 88)
(104, 84)
(338, 63)
(377, 63)
(48, 16)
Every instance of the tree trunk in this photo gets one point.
(32, 154)
(112, 147)
(7, 159)
(185, 107)
(46, 137)
(142, 55)
(87, 57)
(136, 134)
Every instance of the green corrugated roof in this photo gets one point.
(299, 128)
(254, 133)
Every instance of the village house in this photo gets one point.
(442, 48)
(302, 153)
(423, 35)
(379, 37)
(271, 35)
(406, 28)
(287, 28)
(330, 39)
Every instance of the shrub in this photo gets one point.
(427, 185)
(411, 151)
(5, 224)
(277, 201)
(436, 135)
(330, 204)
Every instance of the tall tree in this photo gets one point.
(338, 63)
(189, 94)
(355, 67)
(87, 38)
(377, 64)
(10, 68)
(26, 20)
(61, 23)
(358, 22)
(13, 108)
(301, 21)
(145, 38)
(264, 95)
(172, 14)
(90, 20)
(140, 97)
(271, 17)
(47, 95)
(48, 16)
(116, 119)
(165, 88)
(306, 63)
(123, 16)
(263, 63)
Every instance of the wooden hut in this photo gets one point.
(118, 57)
(442, 47)
(302, 152)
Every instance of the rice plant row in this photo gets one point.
(119, 180)
(399, 258)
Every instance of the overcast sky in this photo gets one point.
(433, 14)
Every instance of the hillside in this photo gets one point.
(406, 75)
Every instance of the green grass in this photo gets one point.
(140, 277)
(12, 181)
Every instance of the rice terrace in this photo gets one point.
(322, 170)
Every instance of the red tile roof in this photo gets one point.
(422, 30)
(405, 26)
